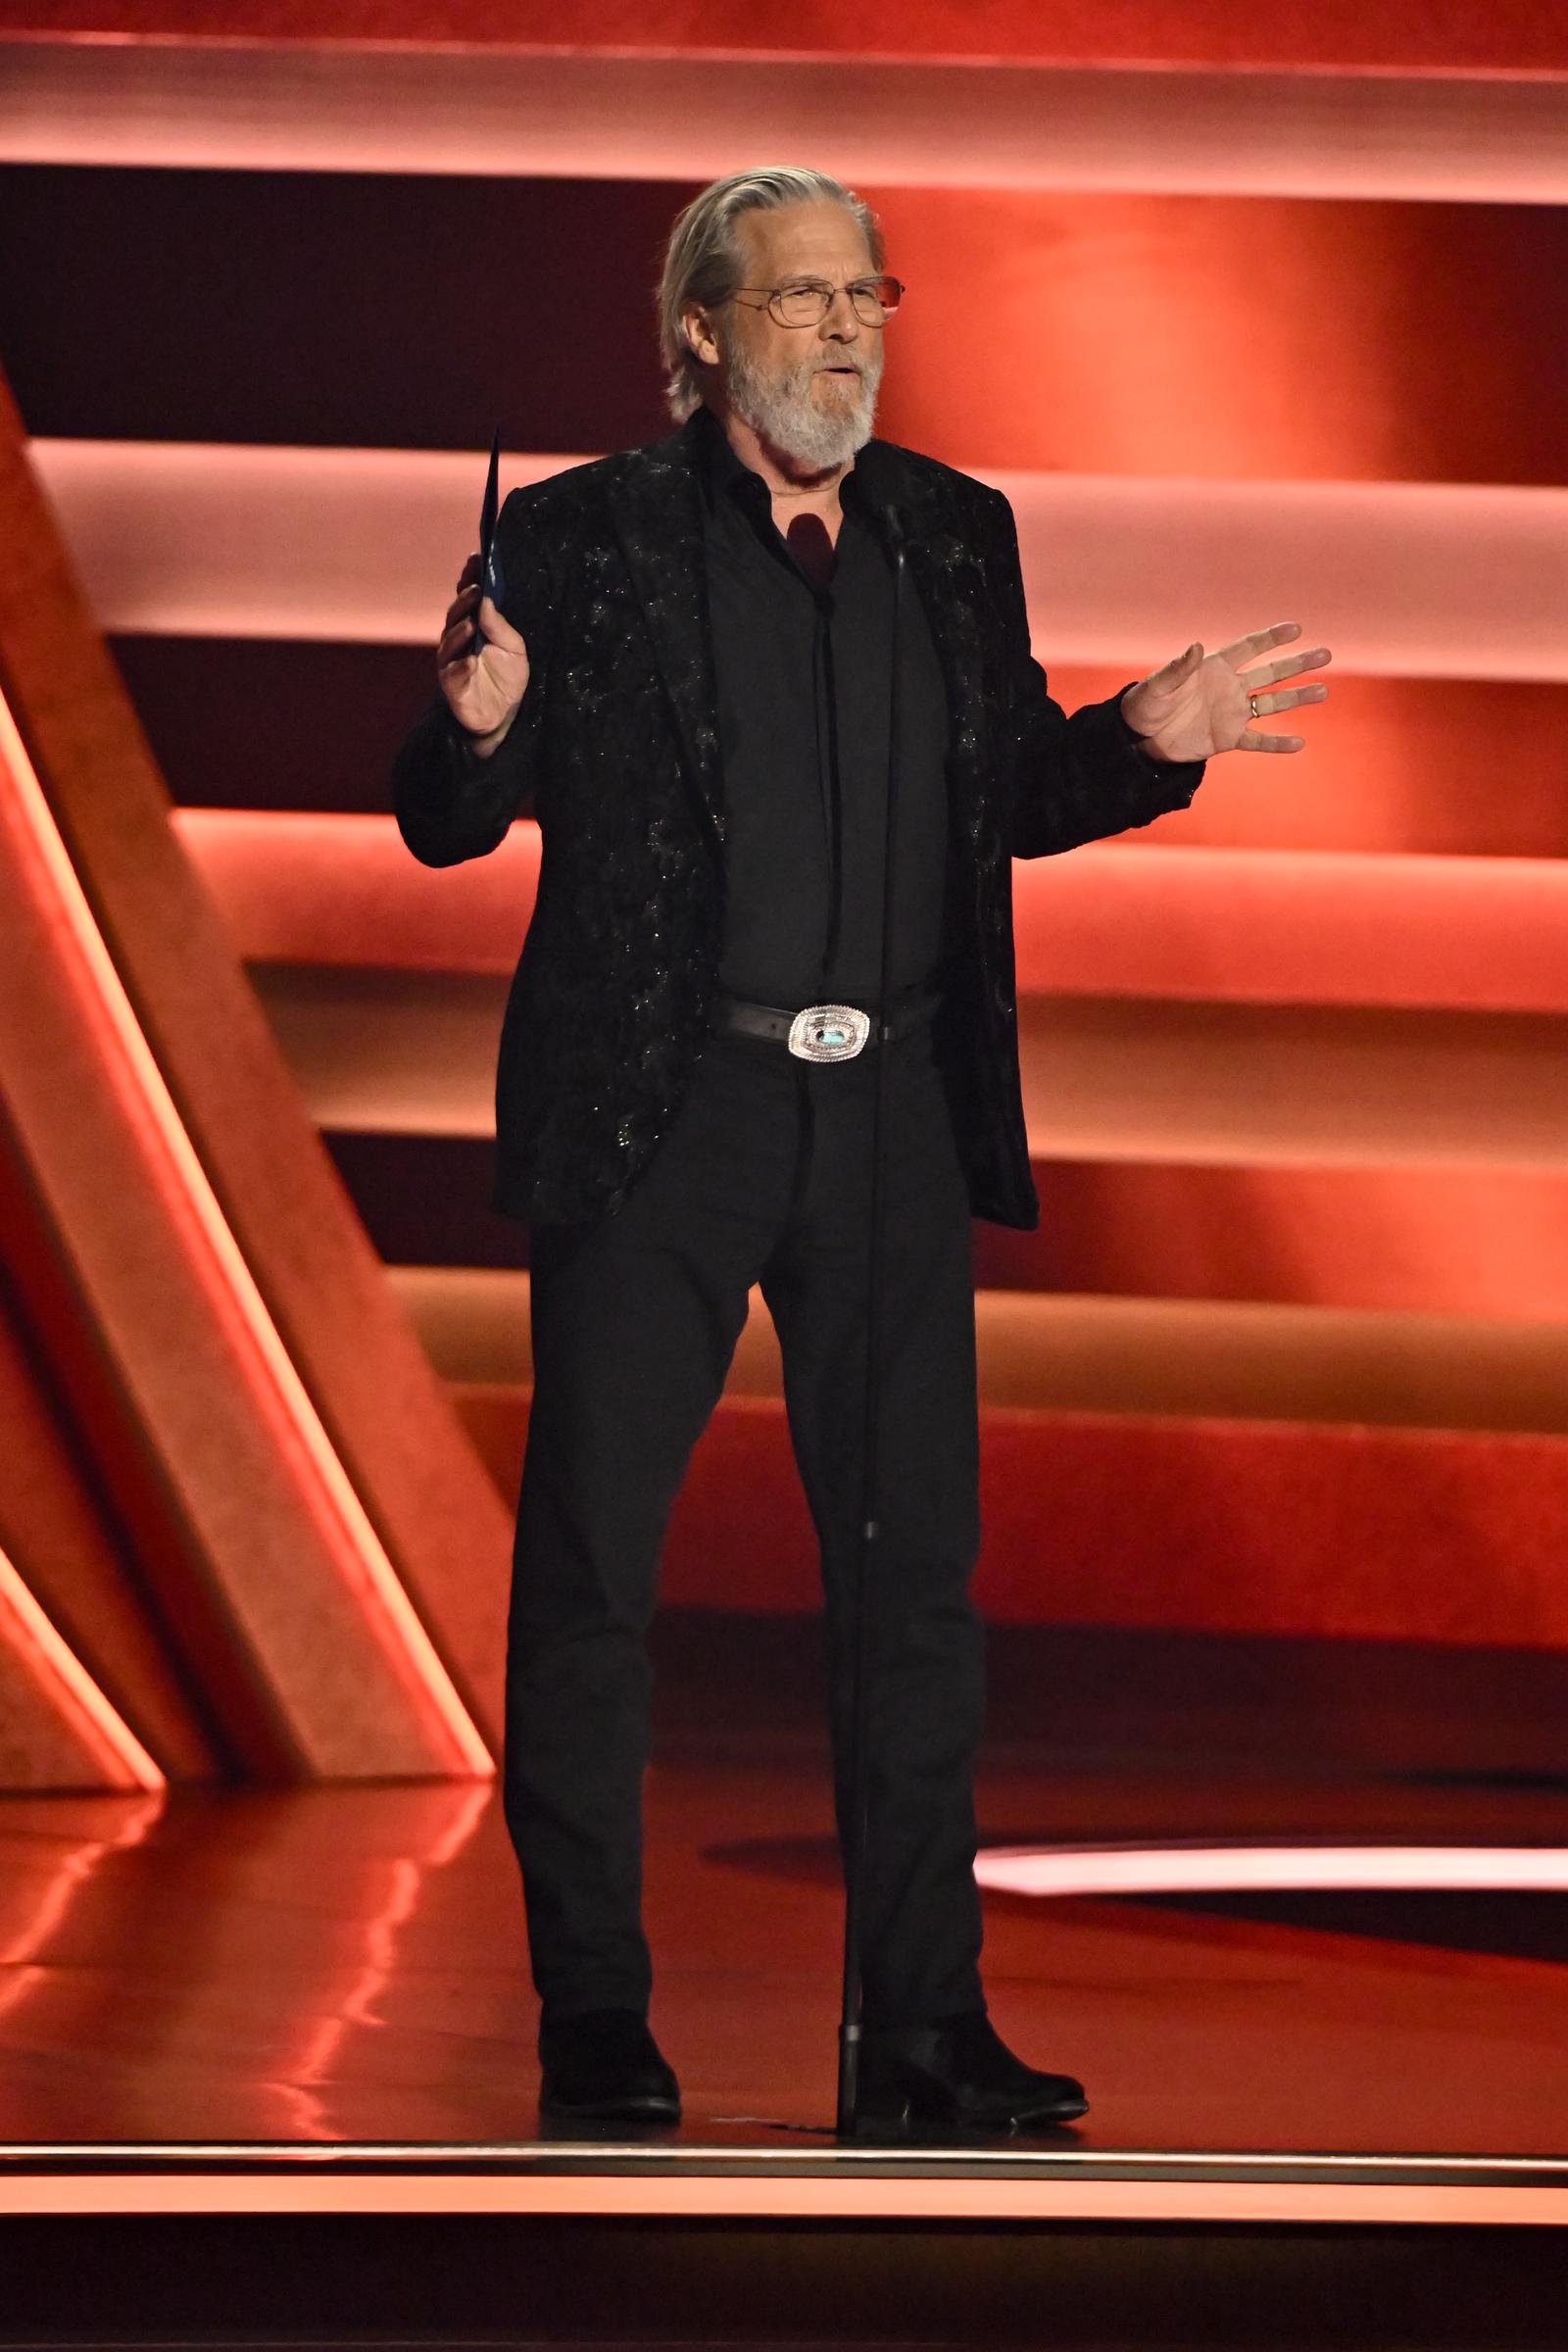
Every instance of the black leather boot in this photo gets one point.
(957, 2070)
(604, 2064)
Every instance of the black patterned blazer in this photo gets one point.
(615, 750)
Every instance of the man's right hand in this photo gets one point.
(483, 689)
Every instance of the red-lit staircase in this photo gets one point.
(1289, 1355)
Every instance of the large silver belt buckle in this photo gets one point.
(828, 1032)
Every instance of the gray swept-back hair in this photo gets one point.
(703, 261)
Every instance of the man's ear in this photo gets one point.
(698, 330)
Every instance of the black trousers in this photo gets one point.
(763, 1177)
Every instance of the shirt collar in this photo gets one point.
(722, 473)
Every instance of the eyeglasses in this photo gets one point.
(807, 301)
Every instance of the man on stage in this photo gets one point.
(688, 679)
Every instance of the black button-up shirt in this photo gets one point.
(803, 674)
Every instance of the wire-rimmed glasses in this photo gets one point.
(806, 301)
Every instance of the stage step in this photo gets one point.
(1266, 926)
(1115, 1078)
(209, 539)
(1177, 1358)
(1144, 1463)
(261, 724)
(1327, 1529)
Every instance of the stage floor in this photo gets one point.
(331, 1982)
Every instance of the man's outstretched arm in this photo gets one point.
(1128, 760)
(1077, 777)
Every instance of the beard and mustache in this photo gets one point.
(784, 411)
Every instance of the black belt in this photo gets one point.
(825, 1032)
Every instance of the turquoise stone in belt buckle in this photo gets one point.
(830, 1032)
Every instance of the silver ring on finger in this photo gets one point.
(1252, 704)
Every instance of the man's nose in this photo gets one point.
(842, 321)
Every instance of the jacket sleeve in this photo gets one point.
(1072, 778)
(450, 803)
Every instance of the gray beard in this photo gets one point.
(781, 409)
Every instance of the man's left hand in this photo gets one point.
(1198, 704)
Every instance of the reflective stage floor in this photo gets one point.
(222, 1979)
(267, 2075)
